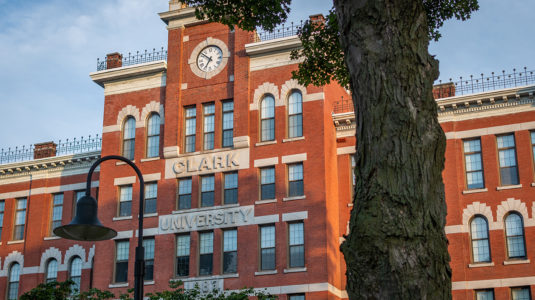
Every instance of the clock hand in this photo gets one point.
(205, 55)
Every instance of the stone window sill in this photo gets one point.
(122, 163)
(208, 277)
(533, 184)
(265, 201)
(118, 285)
(300, 138)
(150, 215)
(122, 218)
(15, 242)
(295, 270)
(269, 272)
(481, 265)
(516, 262)
(294, 198)
(265, 143)
(150, 159)
(508, 187)
(149, 282)
(474, 191)
(350, 205)
(49, 238)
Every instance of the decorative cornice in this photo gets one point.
(49, 164)
(271, 46)
(180, 18)
(465, 107)
(123, 73)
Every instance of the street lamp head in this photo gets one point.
(85, 226)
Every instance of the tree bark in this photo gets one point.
(397, 247)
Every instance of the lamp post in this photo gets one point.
(86, 226)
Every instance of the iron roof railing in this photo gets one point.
(135, 59)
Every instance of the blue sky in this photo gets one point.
(48, 48)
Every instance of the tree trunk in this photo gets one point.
(397, 247)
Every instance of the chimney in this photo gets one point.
(42, 150)
(319, 18)
(444, 90)
(114, 60)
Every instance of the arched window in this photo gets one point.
(129, 137)
(514, 234)
(13, 282)
(51, 270)
(295, 114)
(75, 273)
(153, 136)
(267, 116)
(479, 230)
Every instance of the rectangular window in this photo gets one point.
(121, 261)
(151, 193)
(57, 212)
(228, 124)
(206, 252)
(267, 247)
(473, 164)
(2, 208)
(190, 126)
(353, 175)
(184, 193)
(182, 255)
(148, 245)
(296, 297)
(267, 183)
(295, 180)
(207, 191)
(484, 294)
(20, 219)
(230, 251)
(231, 188)
(507, 158)
(125, 200)
(521, 293)
(209, 122)
(77, 196)
(296, 244)
(533, 146)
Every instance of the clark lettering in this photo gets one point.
(206, 163)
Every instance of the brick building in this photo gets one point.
(249, 176)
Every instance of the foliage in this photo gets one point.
(62, 291)
(246, 14)
(323, 58)
(439, 11)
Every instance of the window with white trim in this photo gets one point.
(75, 273)
(267, 247)
(295, 114)
(207, 190)
(507, 159)
(148, 246)
(121, 261)
(521, 293)
(20, 219)
(296, 297)
(230, 194)
(153, 135)
(190, 127)
(473, 164)
(484, 294)
(479, 234)
(77, 196)
(184, 193)
(206, 253)
(129, 137)
(182, 255)
(267, 183)
(295, 180)
(151, 194)
(514, 235)
(267, 118)
(208, 125)
(296, 245)
(125, 200)
(57, 212)
(13, 281)
(230, 251)
(51, 270)
(228, 123)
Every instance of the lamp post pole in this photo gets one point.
(86, 227)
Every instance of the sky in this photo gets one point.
(49, 47)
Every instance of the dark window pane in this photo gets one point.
(182, 266)
(268, 191)
(19, 233)
(121, 271)
(297, 256)
(230, 262)
(149, 270)
(184, 201)
(150, 206)
(190, 144)
(228, 138)
(128, 148)
(268, 259)
(296, 188)
(207, 199)
(509, 176)
(205, 264)
(125, 208)
(231, 196)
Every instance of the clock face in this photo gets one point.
(209, 58)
